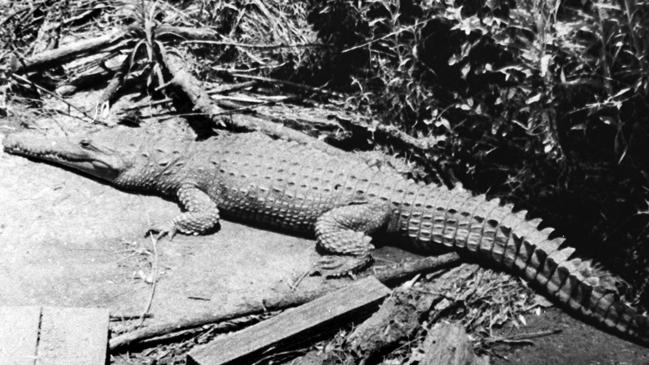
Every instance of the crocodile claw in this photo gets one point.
(340, 266)
(160, 230)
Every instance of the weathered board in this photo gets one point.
(53, 335)
(19, 334)
(291, 323)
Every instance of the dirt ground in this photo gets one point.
(71, 241)
(578, 343)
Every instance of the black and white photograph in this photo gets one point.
(321, 182)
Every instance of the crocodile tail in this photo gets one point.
(496, 232)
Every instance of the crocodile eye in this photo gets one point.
(84, 143)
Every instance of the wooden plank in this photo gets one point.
(290, 323)
(19, 334)
(73, 336)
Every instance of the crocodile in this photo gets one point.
(338, 198)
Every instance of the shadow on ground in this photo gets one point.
(577, 344)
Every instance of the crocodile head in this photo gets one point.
(119, 155)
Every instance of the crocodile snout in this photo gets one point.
(24, 143)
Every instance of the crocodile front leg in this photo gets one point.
(201, 215)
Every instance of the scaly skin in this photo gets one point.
(340, 199)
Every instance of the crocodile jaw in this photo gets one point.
(67, 152)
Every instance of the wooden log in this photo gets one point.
(448, 343)
(360, 295)
(53, 335)
(398, 318)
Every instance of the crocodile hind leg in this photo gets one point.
(201, 215)
(346, 231)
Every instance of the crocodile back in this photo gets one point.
(289, 185)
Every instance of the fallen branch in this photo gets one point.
(257, 45)
(70, 51)
(155, 273)
(190, 87)
(523, 338)
(217, 90)
(116, 83)
(296, 85)
(392, 274)
(170, 32)
(200, 101)
(293, 299)
(117, 317)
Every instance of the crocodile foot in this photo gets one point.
(341, 266)
(160, 230)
